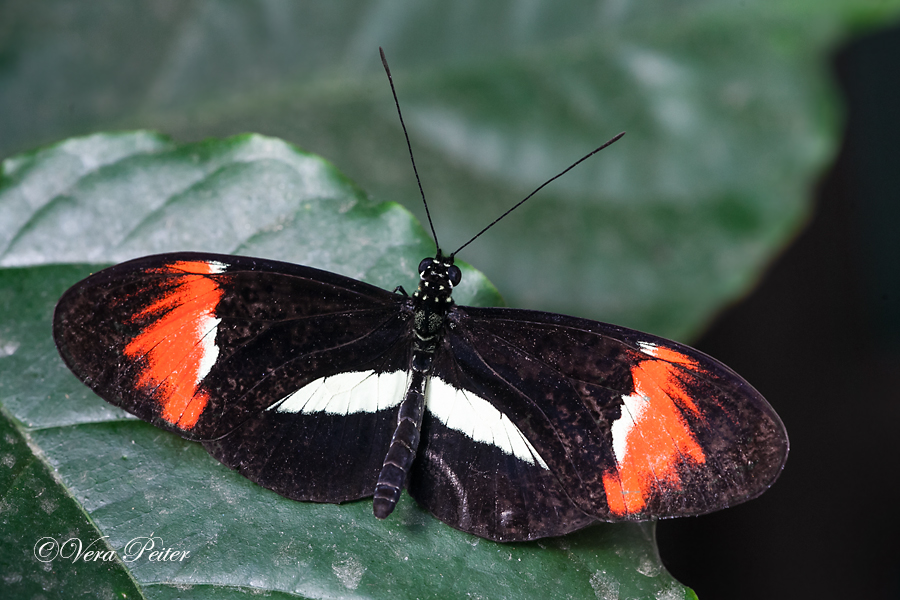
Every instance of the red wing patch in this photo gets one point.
(177, 349)
(651, 438)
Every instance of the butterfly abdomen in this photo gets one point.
(431, 302)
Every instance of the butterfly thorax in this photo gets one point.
(437, 278)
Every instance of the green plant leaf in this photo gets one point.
(78, 468)
(727, 106)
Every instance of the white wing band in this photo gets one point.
(367, 391)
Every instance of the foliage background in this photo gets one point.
(820, 335)
(729, 168)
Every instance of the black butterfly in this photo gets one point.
(508, 424)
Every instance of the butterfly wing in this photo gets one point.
(571, 420)
(536, 424)
(250, 357)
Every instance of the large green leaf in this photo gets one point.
(78, 468)
(726, 104)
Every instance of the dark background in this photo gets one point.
(820, 338)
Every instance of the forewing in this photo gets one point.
(240, 353)
(630, 427)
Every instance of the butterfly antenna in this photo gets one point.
(412, 159)
(539, 188)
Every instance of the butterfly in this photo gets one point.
(508, 424)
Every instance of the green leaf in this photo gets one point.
(35, 509)
(727, 106)
(80, 468)
(111, 197)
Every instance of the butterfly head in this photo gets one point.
(437, 278)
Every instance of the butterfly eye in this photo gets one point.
(454, 274)
(425, 265)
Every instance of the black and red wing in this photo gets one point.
(628, 426)
(202, 345)
(536, 424)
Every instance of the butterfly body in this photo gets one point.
(508, 424)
